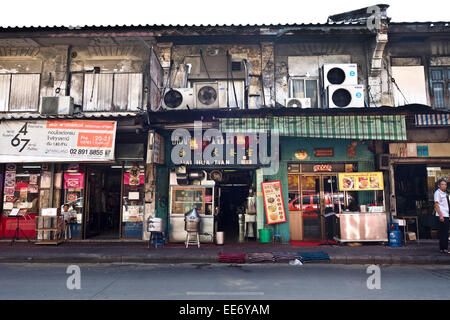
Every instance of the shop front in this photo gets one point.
(314, 152)
(49, 163)
(223, 190)
(416, 168)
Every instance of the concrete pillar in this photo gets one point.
(268, 73)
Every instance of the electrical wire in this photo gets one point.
(395, 83)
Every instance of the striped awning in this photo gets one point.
(432, 119)
(338, 127)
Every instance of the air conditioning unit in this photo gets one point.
(345, 96)
(62, 105)
(298, 103)
(383, 161)
(340, 74)
(178, 98)
(231, 87)
(206, 95)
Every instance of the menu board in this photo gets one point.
(273, 202)
(360, 181)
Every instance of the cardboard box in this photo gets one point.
(411, 236)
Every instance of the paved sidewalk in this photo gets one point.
(137, 252)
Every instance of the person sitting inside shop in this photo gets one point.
(69, 219)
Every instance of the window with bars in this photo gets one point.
(19, 92)
(305, 88)
(440, 87)
(112, 91)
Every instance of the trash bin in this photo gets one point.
(264, 235)
(219, 238)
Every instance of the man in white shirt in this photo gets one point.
(441, 204)
(69, 217)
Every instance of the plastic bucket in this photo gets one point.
(219, 238)
(264, 235)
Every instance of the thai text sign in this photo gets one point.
(273, 202)
(57, 141)
(360, 181)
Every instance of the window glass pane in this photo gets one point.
(436, 74)
(298, 88)
(311, 92)
(438, 92)
(24, 92)
(448, 74)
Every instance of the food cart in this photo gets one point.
(370, 222)
(184, 199)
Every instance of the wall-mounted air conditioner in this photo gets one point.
(206, 95)
(179, 98)
(238, 87)
(339, 74)
(62, 105)
(345, 96)
(298, 103)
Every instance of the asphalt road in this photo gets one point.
(222, 281)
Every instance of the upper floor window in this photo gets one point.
(112, 91)
(19, 92)
(440, 87)
(305, 88)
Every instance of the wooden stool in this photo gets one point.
(277, 238)
(196, 239)
(156, 237)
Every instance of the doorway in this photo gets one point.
(234, 190)
(312, 197)
(103, 203)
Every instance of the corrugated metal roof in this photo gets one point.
(155, 26)
(86, 115)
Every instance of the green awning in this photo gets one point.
(337, 127)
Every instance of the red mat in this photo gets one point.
(309, 243)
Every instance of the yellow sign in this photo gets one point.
(360, 181)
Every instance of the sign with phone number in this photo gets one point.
(57, 141)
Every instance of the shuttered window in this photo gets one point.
(440, 87)
(19, 92)
(112, 92)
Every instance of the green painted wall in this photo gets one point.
(288, 147)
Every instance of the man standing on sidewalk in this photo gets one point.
(441, 204)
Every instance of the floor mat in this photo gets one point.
(305, 243)
(313, 256)
(285, 256)
(260, 257)
(232, 257)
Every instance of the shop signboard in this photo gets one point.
(155, 151)
(360, 181)
(57, 141)
(273, 202)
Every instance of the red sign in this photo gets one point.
(323, 168)
(273, 202)
(73, 180)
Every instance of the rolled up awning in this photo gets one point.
(392, 127)
(433, 119)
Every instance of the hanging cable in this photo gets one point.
(395, 83)
(232, 81)
(203, 60)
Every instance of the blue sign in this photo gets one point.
(352, 73)
(358, 95)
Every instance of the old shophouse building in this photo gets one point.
(87, 117)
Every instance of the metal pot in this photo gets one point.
(192, 221)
